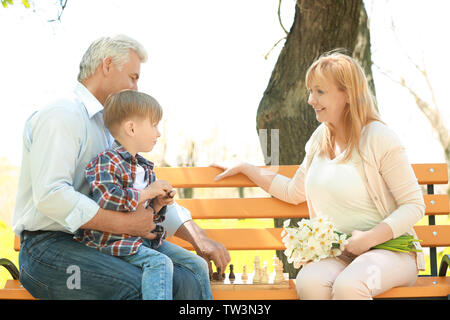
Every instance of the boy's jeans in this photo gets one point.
(157, 269)
(54, 266)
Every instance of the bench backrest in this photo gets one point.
(270, 238)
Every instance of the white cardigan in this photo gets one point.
(386, 172)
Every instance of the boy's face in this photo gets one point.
(146, 134)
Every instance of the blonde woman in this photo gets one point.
(356, 172)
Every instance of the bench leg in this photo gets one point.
(445, 263)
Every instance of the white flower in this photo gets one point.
(313, 240)
(342, 241)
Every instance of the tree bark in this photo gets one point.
(319, 26)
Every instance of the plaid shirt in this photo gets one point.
(111, 176)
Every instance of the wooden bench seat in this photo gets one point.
(432, 236)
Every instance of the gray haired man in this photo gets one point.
(52, 201)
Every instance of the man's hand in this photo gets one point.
(140, 222)
(205, 247)
(210, 249)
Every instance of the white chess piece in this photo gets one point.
(279, 275)
(244, 276)
(265, 276)
(257, 268)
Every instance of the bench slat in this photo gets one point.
(434, 236)
(436, 204)
(243, 208)
(13, 290)
(270, 238)
(424, 287)
(203, 177)
(235, 208)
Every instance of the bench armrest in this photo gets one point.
(445, 264)
(9, 265)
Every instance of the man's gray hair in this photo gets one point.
(117, 48)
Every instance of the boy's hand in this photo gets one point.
(156, 189)
(164, 200)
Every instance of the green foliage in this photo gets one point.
(5, 3)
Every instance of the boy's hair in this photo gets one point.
(130, 104)
(117, 48)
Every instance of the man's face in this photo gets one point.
(125, 76)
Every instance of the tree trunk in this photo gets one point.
(319, 26)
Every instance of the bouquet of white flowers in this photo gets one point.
(317, 238)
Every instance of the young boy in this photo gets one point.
(120, 179)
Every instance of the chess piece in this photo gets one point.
(264, 276)
(257, 268)
(221, 275)
(215, 276)
(278, 267)
(244, 276)
(231, 276)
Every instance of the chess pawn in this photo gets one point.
(257, 275)
(244, 276)
(231, 276)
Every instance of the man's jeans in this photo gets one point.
(54, 266)
(157, 266)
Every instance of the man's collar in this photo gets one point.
(116, 146)
(92, 105)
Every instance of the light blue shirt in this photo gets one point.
(58, 142)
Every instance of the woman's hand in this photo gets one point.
(358, 243)
(230, 169)
(362, 241)
(260, 176)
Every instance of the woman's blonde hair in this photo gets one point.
(349, 77)
(130, 104)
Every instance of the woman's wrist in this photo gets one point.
(245, 168)
(379, 234)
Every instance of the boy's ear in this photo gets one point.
(128, 127)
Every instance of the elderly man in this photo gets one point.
(52, 201)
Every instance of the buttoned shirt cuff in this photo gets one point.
(84, 210)
(176, 215)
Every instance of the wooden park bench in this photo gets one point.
(435, 285)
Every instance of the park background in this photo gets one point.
(209, 64)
